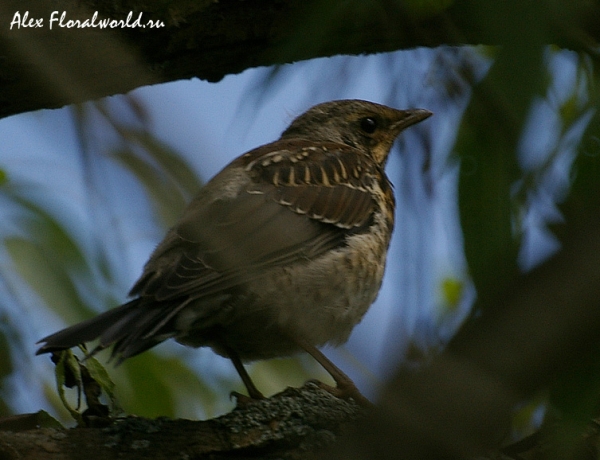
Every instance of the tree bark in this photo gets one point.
(42, 67)
(290, 425)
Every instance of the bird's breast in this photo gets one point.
(320, 300)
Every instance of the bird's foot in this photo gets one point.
(344, 390)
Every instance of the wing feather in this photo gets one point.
(299, 202)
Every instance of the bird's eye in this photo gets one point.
(368, 125)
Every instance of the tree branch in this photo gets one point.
(47, 68)
(289, 425)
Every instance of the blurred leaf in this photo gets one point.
(526, 418)
(575, 395)
(150, 385)
(49, 232)
(171, 163)
(575, 400)
(46, 276)
(584, 197)
(165, 175)
(570, 109)
(167, 199)
(159, 155)
(452, 292)
(273, 376)
(3, 177)
(486, 145)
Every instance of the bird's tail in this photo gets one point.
(126, 328)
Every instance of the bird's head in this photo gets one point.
(369, 127)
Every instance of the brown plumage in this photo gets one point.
(283, 250)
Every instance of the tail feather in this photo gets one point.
(137, 332)
(124, 327)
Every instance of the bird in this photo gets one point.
(283, 251)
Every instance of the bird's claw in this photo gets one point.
(344, 390)
(241, 400)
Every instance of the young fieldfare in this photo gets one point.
(282, 251)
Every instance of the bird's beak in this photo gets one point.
(410, 117)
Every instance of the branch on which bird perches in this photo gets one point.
(290, 425)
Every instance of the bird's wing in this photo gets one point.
(301, 201)
(294, 203)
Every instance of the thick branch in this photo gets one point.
(288, 425)
(46, 68)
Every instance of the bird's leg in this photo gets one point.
(241, 370)
(345, 387)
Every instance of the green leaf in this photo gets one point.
(68, 365)
(452, 293)
(47, 277)
(273, 376)
(49, 232)
(584, 196)
(3, 177)
(487, 149)
(575, 394)
(150, 385)
(100, 375)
